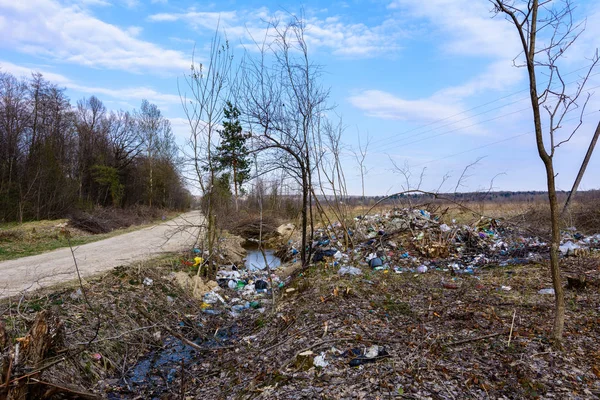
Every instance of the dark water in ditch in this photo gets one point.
(155, 373)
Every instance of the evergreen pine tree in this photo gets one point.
(232, 153)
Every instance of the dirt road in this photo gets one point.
(34, 272)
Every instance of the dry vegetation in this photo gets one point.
(30, 238)
(445, 336)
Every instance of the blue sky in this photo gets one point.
(432, 82)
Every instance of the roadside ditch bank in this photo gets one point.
(130, 332)
(345, 327)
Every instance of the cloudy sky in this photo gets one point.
(431, 83)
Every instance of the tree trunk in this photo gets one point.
(584, 164)
(559, 314)
(45, 335)
(303, 254)
(235, 185)
(150, 200)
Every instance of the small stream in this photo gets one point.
(153, 374)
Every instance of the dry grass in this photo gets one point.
(37, 237)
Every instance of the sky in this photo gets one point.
(430, 84)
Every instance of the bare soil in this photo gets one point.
(43, 270)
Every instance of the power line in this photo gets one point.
(486, 145)
(399, 142)
(471, 109)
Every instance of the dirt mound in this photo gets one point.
(252, 228)
(104, 220)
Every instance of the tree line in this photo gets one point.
(55, 156)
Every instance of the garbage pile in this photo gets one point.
(400, 241)
(415, 241)
(235, 290)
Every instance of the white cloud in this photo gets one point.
(25, 72)
(333, 33)
(49, 29)
(92, 3)
(498, 75)
(380, 104)
(465, 27)
(129, 93)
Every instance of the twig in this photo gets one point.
(64, 389)
(10, 362)
(83, 292)
(182, 388)
(117, 336)
(37, 371)
(475, 339)
(511, 328)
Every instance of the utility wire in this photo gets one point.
(483, 146)
(399, 142)
(388, 138)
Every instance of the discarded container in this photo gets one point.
(375, 262)
(148, 281)
(369, 355)
(422, 269)
(546, 291)
(255, 304)
(212, 298)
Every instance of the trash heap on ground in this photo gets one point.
(415, 241)
(235, 289)
(400, 241)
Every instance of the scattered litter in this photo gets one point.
(349, 271)
(546, 291)
(319, 361)
(363, 356)
(568, 248)
(148, 281)
(76, 295)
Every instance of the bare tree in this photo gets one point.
(209, 86)
(282, 103)
(331, 178)
(551, 24)
(361, 156)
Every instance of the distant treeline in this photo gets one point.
(505, 196)
(502, 196)
(55, 157)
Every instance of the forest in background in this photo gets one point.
(56, 157)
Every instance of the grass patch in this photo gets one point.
(37, 237)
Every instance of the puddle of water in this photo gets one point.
(255, 260)
(154, 373)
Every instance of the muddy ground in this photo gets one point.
(440, 336)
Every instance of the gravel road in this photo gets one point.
(47, 269)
